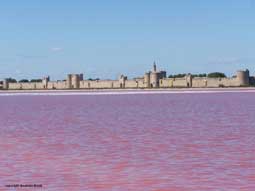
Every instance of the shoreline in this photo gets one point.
(127, 91)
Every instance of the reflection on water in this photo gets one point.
(161, 142)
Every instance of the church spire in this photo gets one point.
(154, 67)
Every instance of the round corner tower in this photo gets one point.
(5, 84)
(147, 79)
(69, 81)
(76, 81)
(243, 77)
(154, 79)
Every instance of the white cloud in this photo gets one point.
(56, 49)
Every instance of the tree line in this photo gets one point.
(12, 80)
(210, 75)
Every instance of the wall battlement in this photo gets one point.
(151, 79)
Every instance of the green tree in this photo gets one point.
(202, 75)
(36, 80)
(183, 75)
(11, 80)
(198, 75)
(24, 81)
(91, 79)
(177, 76)
(216, 75)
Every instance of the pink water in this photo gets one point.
(143, 142)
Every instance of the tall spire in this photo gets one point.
(154, 67)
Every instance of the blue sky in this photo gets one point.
(106, 38)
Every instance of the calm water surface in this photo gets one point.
(154, 142)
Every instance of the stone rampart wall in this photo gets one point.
(131, 84)
(214, 82)
(229, 82)
(197, 82)
(166, 82)
(179, 82)
(26, 86)
(84, 84)
(57, 85)
(141, 84)
(99, 84)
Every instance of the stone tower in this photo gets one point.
(154, 77)
(5, 84)
(76, 81)
(73, 81)
(81, 77)
(147, 79)
(122, 80)
(154, 67)
(45, 82)
(69, 81)
(243, 77)
(188, 78)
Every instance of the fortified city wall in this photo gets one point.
(151, 79)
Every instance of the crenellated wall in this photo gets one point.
(97, 84)
(179, 82)
(26, 86)
(57, 85)
(199, 82)
(214, 82)
(131, 84)
(142, 84)
(152, 79)
(166, 83)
